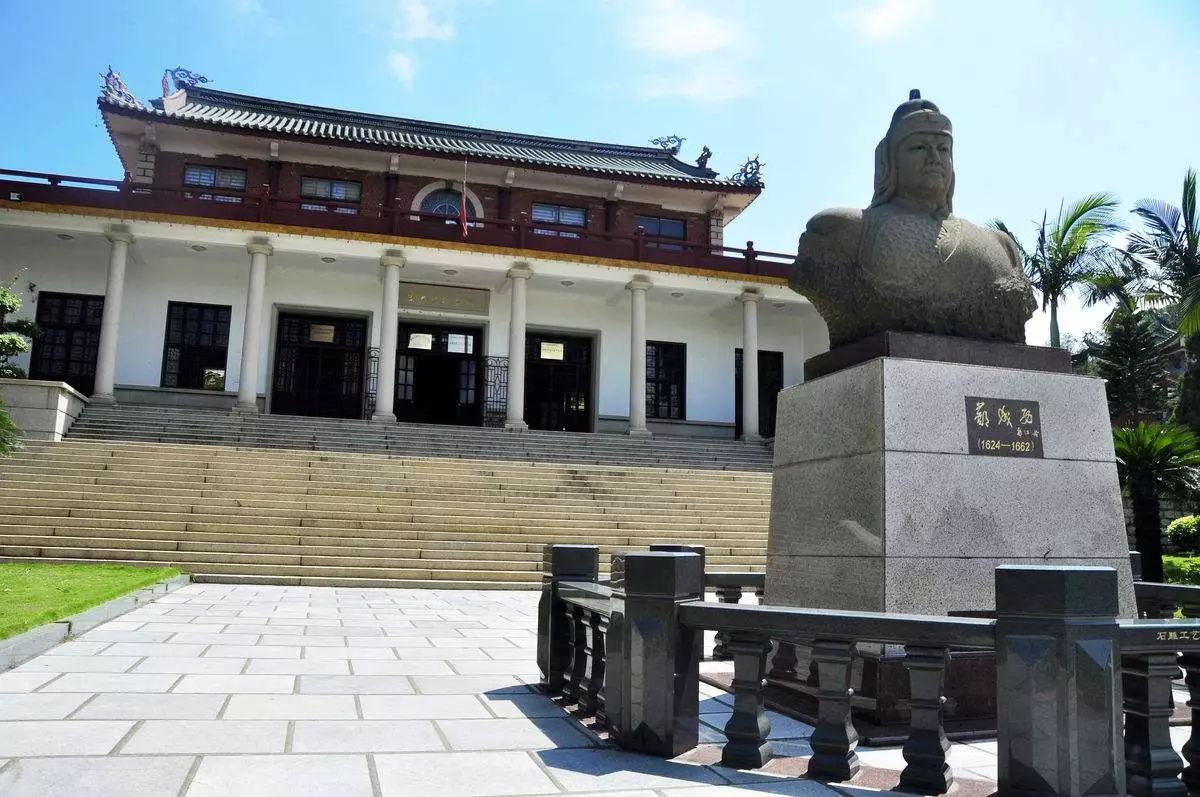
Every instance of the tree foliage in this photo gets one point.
(1155, 461)
(1068, 250)
(1132, 355)
(14, 339)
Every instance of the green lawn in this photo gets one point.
(36, 593)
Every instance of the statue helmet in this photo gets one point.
(916, 115)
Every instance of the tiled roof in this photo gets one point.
(261, 115)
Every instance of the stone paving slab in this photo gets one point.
(262, 690)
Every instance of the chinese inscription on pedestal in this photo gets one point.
(1003, 427)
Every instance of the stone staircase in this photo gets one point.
(369, 505)
(169, 425)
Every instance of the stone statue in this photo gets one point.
(906, 264)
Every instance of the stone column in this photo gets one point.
(637, 288)
(750, 299)
(518, 276)
(106, 356)
(385, 387)
(1058, 681)
(259, 250)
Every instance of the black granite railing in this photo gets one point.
(1084, 698)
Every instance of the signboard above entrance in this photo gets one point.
(321, 333)
(444, 298)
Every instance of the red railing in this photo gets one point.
(395, 218)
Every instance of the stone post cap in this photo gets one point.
(750, 295)
(1049, 592)
(119, 233)
(639, 283)
(664, 574)
(260, 246)
(393, 257)
(520, 271)
(571, 562)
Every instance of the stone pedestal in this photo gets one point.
(878, 504)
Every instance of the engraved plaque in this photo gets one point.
(552, 351)
(321, 333)
(998, 427)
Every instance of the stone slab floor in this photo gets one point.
(259, 690)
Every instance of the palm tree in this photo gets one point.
(1155, 461)
(1170, 242)
(1067, 252)
(1133, 357)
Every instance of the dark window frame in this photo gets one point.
(183, 307)
(82, 335)
(216, 170)
(558, 220)
(316, 202)
(666, 380)
(654, 230)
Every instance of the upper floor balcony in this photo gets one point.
(384, 219)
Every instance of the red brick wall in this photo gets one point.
(169, 173)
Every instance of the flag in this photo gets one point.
(462, 203)
(166, 88)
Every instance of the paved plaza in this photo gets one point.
(260, 690)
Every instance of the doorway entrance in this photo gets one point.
(319, 366)
(69, 341)
(558, 382)
(770, 382)
(438, 374)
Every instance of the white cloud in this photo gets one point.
(403, 66)
(417, 22)
(879, 20)
(702, 84)
(677, 29)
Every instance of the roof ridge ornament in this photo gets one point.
(183, 78)
(113, 88)
(750, 174)
(705, 154)
(670, 144)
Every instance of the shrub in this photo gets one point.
(1184, 533)
(1181, 569)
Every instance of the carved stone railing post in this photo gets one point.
(576, 684)
(834, 738)
(659, 711)
(927, 771)
(616, 674)
(1190, 662)
(1057, 684)
(560, 563)
(731, 593)
(783, 663)
(598, 666)
(1152, 766)
(748, 728)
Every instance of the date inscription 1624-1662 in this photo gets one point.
(1004, 427)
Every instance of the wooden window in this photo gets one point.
(340, 191)
(218, 177)
(196, 346)
(69, 339)
(666, 380)
(562, 215)
(657, 227)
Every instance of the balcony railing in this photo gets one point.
(1084, 697)
(394, 218)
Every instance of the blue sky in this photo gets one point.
(1048, 99)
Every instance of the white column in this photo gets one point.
(385, 389)
(637, 288)
(518, 276)
(247, 401)
(106, 356)
(750, 299)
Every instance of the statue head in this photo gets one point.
(915, 160)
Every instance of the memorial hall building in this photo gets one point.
(264, 256)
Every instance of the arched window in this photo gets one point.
(445, 201)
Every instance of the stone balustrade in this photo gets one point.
(1084, 697)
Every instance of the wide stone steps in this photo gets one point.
(293, 516)
(169, 425)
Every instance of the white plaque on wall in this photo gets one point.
(552, 351)
(445, 298)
